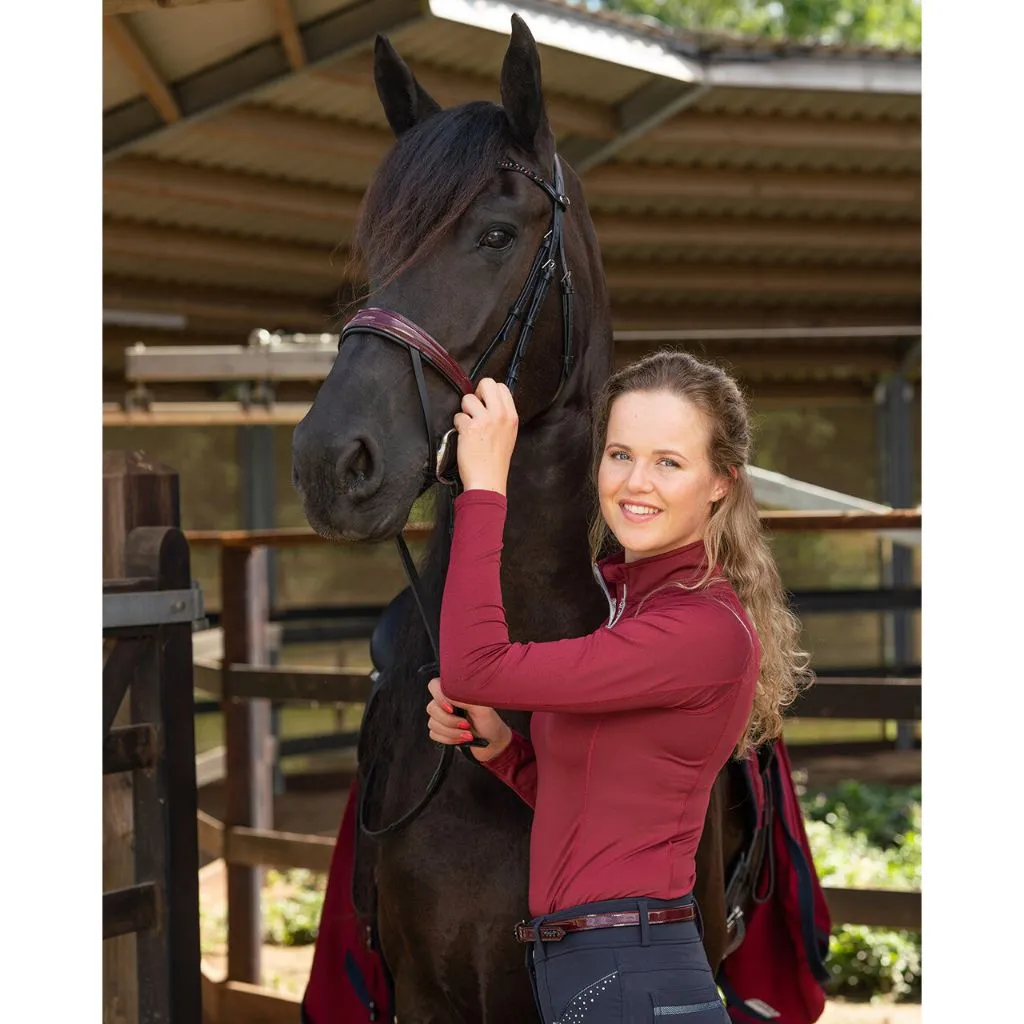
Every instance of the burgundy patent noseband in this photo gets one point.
(386, 323)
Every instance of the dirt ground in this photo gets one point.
(286, 969)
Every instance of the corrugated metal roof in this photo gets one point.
(449, 45)
(183, 40)
(239, 221)
(829, 103)
(327, 94)
(309, 10)
(153, 267)
(799, 205)
(838, 158)
(230, 152)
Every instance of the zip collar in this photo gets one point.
(638, 578)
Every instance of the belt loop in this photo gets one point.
(698, 919)
(645, 923)
(539, 952)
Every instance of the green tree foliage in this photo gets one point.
(888, 23)
(868, 836)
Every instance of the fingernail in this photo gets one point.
(449, 708)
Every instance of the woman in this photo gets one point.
(632, 723)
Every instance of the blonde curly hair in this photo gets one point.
(734, 540)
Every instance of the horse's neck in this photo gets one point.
(547, 582)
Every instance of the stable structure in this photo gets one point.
(733, 183)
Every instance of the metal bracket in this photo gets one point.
(153, 608)
(139, 397)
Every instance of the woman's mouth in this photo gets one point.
(637, 512)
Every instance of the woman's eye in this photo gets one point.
(497, 238)
(671, 463)
(619, 456)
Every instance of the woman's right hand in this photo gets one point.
(481, 722)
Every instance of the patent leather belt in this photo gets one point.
(555, 931)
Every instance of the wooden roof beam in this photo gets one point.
(240, 311)
(797, 235)
(791, 281)
(288, 29)
(775, 360)
(178, 182)
(326, 136)
(765, 313)
(327, 266)
(771, 362)
(304, 134)
(644, 109)
(209, 249)
(130, 6)
(227, 83)
(700, 128)
(123, 41)
(625, 181)
(220, 309)
(160, 179)
(297, 133)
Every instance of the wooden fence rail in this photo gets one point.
(776, 520)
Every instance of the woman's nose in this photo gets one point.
(639, 478)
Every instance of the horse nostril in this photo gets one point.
(360, 473)
(359, 467)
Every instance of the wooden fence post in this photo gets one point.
(136, 492)
(165, 798)
(248, 785)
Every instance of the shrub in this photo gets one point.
(292, 917)
(868, 836)
(866, 962)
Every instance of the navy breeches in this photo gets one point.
(626, 975)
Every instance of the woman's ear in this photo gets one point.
(722, 484)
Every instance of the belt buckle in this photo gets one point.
(520, 931)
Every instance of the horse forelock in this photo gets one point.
(426, 182)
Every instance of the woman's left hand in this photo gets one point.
(487, 428)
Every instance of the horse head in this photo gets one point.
(448, 237)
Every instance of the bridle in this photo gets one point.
(420, 345)
(385, 323)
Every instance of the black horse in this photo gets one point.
(450, 230)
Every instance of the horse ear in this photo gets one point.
(405, 101)
(521, 93)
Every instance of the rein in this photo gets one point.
(392, 326)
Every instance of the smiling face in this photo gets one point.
(655, 481)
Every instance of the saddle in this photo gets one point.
(349, 980)
(774, 968)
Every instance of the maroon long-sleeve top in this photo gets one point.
(631, 723)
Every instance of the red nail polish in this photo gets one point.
(449, 709)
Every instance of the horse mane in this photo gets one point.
(426, 183)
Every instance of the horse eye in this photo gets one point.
(497, 238)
